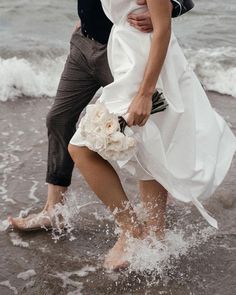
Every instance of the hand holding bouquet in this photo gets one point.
(105, 132)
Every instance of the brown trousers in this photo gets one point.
(85, 71)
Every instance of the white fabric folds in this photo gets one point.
(189, 147)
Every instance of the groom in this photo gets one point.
(85, 71)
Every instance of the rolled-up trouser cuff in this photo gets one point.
(57, 180)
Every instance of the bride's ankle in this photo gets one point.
(158, 231)
(132, 230)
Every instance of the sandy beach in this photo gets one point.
(199, 260)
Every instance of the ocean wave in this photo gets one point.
(40, 77)
(22, 77)
(216, 68)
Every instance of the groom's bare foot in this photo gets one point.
(46, 219)
(32, 222)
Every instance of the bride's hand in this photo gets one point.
(139, 110)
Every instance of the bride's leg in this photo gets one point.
(105, 182)
(154, 198)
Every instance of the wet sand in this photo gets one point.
(71, 263)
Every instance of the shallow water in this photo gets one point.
(194, 260)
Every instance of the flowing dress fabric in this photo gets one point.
(189, 147)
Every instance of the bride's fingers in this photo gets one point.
(139, 119)
(143, 122)
(133, 119)
(130, 120)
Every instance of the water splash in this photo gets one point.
(66, 215)
(158, 260)
(145, 256)
(4, 224)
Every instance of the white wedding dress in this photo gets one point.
(189, 147)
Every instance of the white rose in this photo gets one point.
(131, 142)
(86, 126)
(97, 143)
(97, 113)
(116, 141)
(98, 130)
(82, 125)
(101, 143)
(111, 125)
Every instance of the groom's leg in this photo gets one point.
(79, 82)
(88, 62)
(76, 88)
(86, 70)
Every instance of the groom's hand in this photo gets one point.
(141, 21)
(77, 26)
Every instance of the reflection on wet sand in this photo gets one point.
(195, 259)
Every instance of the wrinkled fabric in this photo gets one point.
(189, 147)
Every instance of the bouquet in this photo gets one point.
(108, 134)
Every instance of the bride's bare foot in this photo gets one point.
(117, 259)
(32, 222)
(154, 229)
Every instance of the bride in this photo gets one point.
(185, 150)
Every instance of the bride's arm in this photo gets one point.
(140, 108)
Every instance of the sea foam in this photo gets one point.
(216, 68)
(26, 274)
(40, 76)
(21, 77)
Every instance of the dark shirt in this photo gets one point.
(94, 22)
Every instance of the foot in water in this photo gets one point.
(42, 220)
(117, 259)
(48, 218)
